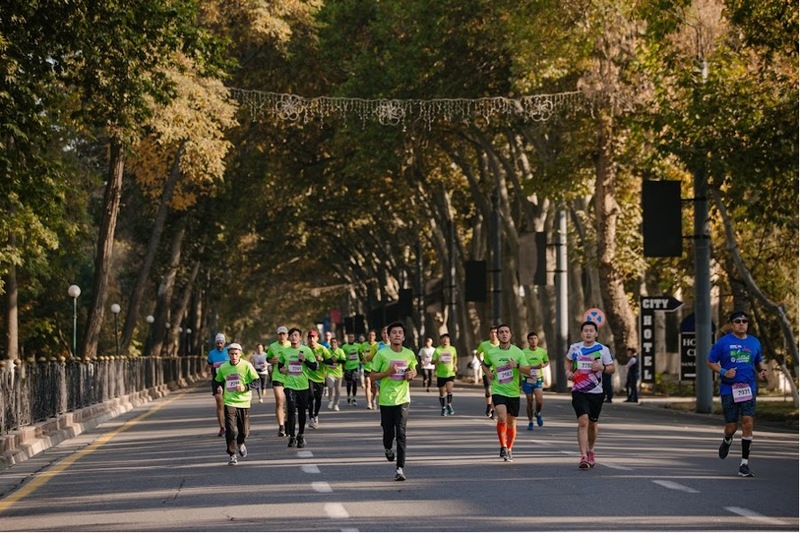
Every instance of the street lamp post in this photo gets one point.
(180, 340)
(188, 340)
(149, 344)
(115, 308)
(74, 291)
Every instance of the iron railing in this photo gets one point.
(34, 391)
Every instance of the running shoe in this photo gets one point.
(584, 464)
(590, 458)
(301, 441)
(509, 458)
(261, 400)
(488, 411)
(389, 454)
(504, 453)
(349, 401)
(221, 432)
(336, 407)
(330, 405)
(355, 403)
(399, 475)
(281, 432)
(292, 442)
(539, 421)
(312, 423)
(530, 426)
(450, 410)
(369, 406)
(723, 448)
(243, 450)
(232, 461)
(744, 471)
(444, 411)
(491, 415)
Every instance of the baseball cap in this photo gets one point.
(219, 337)
(737, 314)
(235, 346)
(312, 333)
(283, 329)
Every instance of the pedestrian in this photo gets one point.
(737, 358)
(335, 373)
(316, 378)
(533, 381)
(293, 362)
(259, 361)
(608, 388)
(273, 355)
(584, 364)
(328, 337)
(445, 358)
(426, 364)
(367, 352)
(236, 375)
(505, 363)
(483, 348)
(351, 350)
(475, 367)
(395, 367)
(216, 357)
(632, 381)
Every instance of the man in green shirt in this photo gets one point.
(234, 378)
(484, 347)
(277, 378)
(316, 378)
(504, 363)
(532, 382)
(395, 367)
(335, 373)
(351, 351)
(445, 360)
(293, 362)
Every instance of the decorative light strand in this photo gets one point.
(396, 112)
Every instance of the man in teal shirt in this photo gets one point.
(234, 378)
(394, 367)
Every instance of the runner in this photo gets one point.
(367, 352)
(395, 367)
(273, 354)
(216, 358)
(445, 358)
(351, 351)
(426, 363)
(236, 374)
(532, 382)
(504, 363)
(484, 347)
(735, 357)
(316, 378)
(259, 361)
(293, 362)
(335, 373)
(585, 363)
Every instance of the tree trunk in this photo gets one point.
(166, 289)
(617, 309)
(12, 309)
(105, 247)
(152, 248)
(180, 311)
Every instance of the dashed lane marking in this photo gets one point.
(674, 486)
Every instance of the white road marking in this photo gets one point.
(674, 486)
(616, 467)
(305, 454)
(747, 513)
(336, 510)
(310, 469)
(321, 486)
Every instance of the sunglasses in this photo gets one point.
(740, 321)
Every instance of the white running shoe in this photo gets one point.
(336, 407)
(330, 405)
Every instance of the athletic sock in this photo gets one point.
(502, 434)
(441, 400)
(449, 398)
(746, 442)
(511, 434)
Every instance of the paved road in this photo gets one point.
(161, 467)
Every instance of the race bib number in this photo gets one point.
(741, 392)
(505, 374)
(352, 356)
(585, 364)
(534, 374)
(334, 366)
(232, 382)
(400, 367)
(295, 368)
(446, 358)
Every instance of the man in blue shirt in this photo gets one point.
(216, 358)
(736, 357)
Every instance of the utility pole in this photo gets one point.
(562, 309)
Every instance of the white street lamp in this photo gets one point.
(115, 308)
(74, 291)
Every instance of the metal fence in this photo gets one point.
(33, 392)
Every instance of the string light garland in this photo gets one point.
(396, 112)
